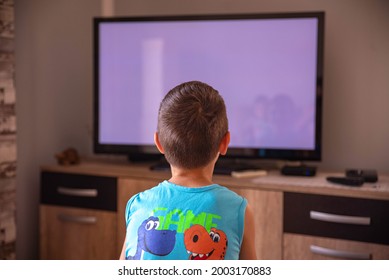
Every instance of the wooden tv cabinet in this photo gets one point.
(82, 212)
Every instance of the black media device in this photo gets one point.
(355, 177)
(368, 175)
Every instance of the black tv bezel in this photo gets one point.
(136, 152)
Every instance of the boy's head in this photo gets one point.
(192, 122)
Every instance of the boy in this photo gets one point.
(189, 217)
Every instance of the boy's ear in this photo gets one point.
(157, 143)
(224, 143)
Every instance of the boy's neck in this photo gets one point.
(192, 178)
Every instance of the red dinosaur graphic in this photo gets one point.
(202, 245)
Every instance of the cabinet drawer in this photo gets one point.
(84, 191)
(337, 217)
(69, 233)
(304, 247)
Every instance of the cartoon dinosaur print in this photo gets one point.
(153, 241)
(202, 245)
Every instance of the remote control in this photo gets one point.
(348, 181)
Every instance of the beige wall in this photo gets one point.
(54, 76)
(54, 82)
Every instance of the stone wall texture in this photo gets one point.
(7, 132)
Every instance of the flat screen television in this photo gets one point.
(267, 67)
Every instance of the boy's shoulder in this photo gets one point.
(230, 192)
(150, 190)
(166, 188)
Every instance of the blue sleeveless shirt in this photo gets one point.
(176, 223)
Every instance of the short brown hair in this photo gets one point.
(192, 122)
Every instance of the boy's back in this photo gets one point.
(176, 222)
(189, 217)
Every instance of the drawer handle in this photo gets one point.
(320, 216)
(77, 192)
(77, 219)
(339, 254)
